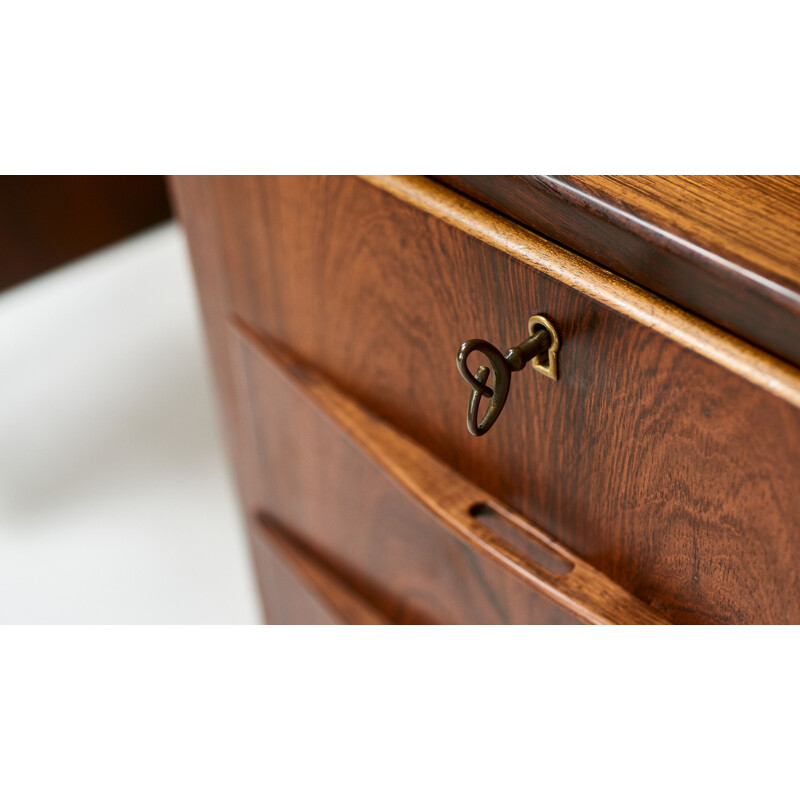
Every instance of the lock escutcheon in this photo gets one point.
(546, 363)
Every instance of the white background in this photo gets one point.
(116, 501)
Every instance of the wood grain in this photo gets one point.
(665, 471)
(446, 495)
(287, 600)
(47, 220)
(349, 514)
(341, 602)
(725, 247)
(593, 281)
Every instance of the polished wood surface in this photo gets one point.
(667, 471)
(287, 599)
(341, 603)
(725, 247)
(46, 220)
(597, 283)
(284, 452)
(348, 513)
(446, 495)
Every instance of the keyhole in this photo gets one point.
(546, 362)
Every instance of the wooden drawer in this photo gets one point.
(382, 529)
(666, 455)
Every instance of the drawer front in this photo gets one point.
(287, 600)
(671, 474)
(320, 489)
(299, 588)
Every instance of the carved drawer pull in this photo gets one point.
(539, 349)
(464, 508)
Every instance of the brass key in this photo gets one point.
(539, 349)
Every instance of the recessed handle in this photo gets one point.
(539, 350)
